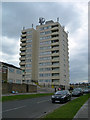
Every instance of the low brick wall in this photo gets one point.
(21, 88)
(32, 88)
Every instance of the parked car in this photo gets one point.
(86, 90)
(61, 96)
(77, 92)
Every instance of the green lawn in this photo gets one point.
(20, 97)
(69, 110)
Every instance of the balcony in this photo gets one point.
(55, 48)
(22, 44)
(23, 48)
(22, 58)
(55, 43)
(55, 38)
(54, 33)
(23, 68)
(56, 65)
(23, 32)
(55, 54)
(22, 63)
(23, 35)
(55, 77)
(55, 59)
(23, 39)
(22, 53)
(55, 71)
(54, 27)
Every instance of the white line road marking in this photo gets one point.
(14, 109)
(43, 101)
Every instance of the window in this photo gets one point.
(29, 36)
(55, 74)
(55, 80)
(45, 63)
(29, 41)
(57, 68)
(55, 63)
(28, 45)
(28, 60)
(28, 70)
(44, 28)
(40, 80)
(45, 58)
(22, 51)
(28, 76)
(55, 51)
(45, 42)
(45, 37)
(28, 55)
(22, 60)
(44, 33)
(29, 50)
(45, 47)
(28, 32)
(44, 74)
(23, 56)
(44, 69)
(47, 80)
(10, 81)
(18, 81)
(45, 53)
(11, 69)
(28, 65)
(19, 71)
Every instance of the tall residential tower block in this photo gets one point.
(44, 55)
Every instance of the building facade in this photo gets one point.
(29, 55)
(48, 56)
(10, 73)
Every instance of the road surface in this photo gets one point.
(28, 108)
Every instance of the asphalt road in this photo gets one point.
(29, 108)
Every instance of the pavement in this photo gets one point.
(83, 113)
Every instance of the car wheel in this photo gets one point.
(70, 99)
(53, 101)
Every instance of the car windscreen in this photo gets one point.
(78, 89)
(61, 93)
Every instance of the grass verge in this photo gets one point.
(68, 110)
(20, 97)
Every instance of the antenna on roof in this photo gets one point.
(58, 19)
(32, 25)
(23, 28)
(41, 20)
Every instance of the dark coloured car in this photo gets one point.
(61, 96)
(77, 92)
(86, 90)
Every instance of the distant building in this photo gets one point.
(44, 54)
(10, 73)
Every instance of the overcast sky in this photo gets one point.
(72, 15)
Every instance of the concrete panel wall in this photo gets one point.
(21, 88)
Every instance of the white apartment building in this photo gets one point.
(48, 57)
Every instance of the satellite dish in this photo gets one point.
(41, 20)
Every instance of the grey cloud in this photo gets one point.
(16, 15)
(79, 67)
